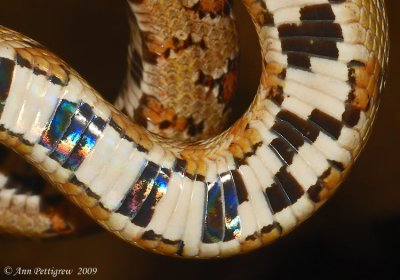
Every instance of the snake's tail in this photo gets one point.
(28, 206)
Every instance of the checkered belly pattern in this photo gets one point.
(323, 69)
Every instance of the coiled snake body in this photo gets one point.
(179, 189)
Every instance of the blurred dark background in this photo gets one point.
(355, 235)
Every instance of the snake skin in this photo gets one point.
(323, 70)
(169, 92)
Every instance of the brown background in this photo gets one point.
(356, 234)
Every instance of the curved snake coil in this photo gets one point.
(198, 195)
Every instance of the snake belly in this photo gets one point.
(323, 71)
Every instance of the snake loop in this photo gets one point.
(198, 195)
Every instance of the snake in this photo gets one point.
(160, 169)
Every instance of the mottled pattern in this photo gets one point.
(165, 83)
